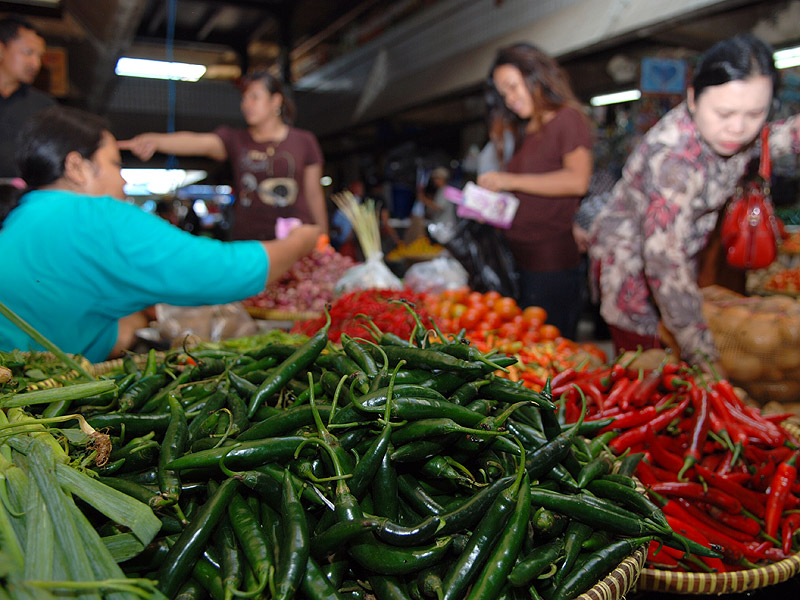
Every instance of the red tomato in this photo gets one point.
(491, 297)
(535, 314)
(507, 308)
(470, 319)
(549, 332)
(492, 320)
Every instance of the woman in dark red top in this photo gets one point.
(276, 167)
(549, 172)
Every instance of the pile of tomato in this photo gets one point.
(786, 281)
(492, 321)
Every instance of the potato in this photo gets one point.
(788, 357)
(760, 334)
(740, 366)
(648, 359)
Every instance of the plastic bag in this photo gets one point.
(484, 253)
(371, 274)
(435, 276)
(208, 323)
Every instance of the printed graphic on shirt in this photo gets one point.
(275, 171)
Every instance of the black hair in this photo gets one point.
(274, 86)
(734, 59)
(49, 136)
(10, 26)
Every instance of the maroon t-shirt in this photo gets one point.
(268, 179)
(541, 234)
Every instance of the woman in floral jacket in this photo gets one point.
(646, 241)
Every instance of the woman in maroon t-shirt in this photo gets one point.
(276, 167)
(549, 172)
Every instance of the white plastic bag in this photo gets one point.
(435, 276)
(371, 274)
(208, 323)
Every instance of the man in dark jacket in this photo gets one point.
(21, 50)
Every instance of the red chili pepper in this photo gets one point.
(778, 418)
(561, 378)
(617, 391)
(664, 458)
(632, 418)
(788, 527)
(658, 557)
(740, 478)
(695, 491)
(685, 529)
(752, 501)
(742, 523)
(779, 489)
(632, 436)
(728, 423)
(776, 554)
(647, 387)
(732, 550)
(702, 516)
(711, 461)
(763, 476)
(660, 474)
(673, 383)
(699, 399)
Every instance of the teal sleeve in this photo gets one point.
(158, 262)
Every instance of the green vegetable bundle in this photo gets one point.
(399, 467)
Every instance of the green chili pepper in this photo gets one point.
(254, 543)
(294, 554)
(463, 570)
(535, 563)
(301, 358)
(500, 562)
(172, 448)
(190, 544)
(315, 586)
(246, 455)
(230, 557)
(385, 559)
(596, 567)
(137, 395)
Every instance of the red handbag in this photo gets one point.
(750, 230)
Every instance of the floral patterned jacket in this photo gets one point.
(646, 241)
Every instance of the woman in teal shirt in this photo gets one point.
(78, 261)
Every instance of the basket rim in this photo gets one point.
(619, 581)
(275, 314)
(660, 580)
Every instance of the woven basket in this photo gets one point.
(272, 314)
(657, 580)
(109, 366)
(53, 382)
(620, 581)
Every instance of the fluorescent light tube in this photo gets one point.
(615, 98)
(158, 69)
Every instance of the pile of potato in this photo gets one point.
(759, 341)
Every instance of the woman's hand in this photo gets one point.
(581, 237)
(494, 181)
(143, 145)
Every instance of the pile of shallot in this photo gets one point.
(306, 287)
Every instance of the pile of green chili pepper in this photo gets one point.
(401, 468)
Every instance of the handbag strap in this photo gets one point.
(765, 166)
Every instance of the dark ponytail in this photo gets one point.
(49, 136)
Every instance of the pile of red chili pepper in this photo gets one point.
(723, 473)
(351, 312)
